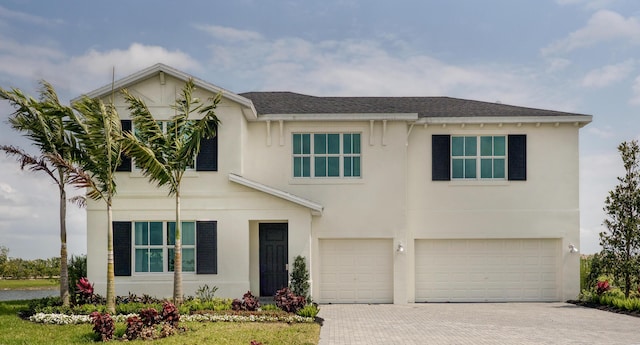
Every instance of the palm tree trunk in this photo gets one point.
(111, 285)
(177, 262)
(64, 271)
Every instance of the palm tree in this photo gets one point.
(42, 122)
(164, 155)
(98, 132)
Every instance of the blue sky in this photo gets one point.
(570, 55)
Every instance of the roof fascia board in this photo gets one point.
(316, 209)
(582, 119)
(127, 81)
(340, 117)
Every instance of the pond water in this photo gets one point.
(12, 295)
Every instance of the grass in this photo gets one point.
(29, 284)
(17, 331)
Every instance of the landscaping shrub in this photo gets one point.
(248, 302)
(103, 325)
(77, 268)
(205, 293)
(288, 301)
(602, 287)
(170, 314)
(300, 278)
(310, 310)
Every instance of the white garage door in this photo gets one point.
(356, 271)
(487, 270)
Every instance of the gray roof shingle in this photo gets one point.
(295, 103)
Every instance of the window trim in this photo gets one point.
(312, 156)
(477, 158)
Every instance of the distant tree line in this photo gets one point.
(17, 268)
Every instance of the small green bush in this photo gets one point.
(269, 307)
(310, 310)
(205, 293)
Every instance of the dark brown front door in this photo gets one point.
(273, 257)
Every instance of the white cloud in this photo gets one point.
(557, 64)
(27, 18)
(229, 34)
(602, 133)
(590, 4)
(603, 26)
(609, 74)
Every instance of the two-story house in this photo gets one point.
(389, 199)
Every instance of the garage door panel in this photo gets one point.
(356, 271)
(487, 270)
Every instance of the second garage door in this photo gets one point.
(497, 270)
(356, 271)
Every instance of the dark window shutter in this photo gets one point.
(207, 159)
(207, 247)
(122, 248)
(517, 157)
(125, 162)
(440, 157)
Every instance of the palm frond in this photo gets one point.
(30, 162)
(79, 200)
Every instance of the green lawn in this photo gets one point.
(17, 331)
(27, 284)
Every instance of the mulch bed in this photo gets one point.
(604, 308)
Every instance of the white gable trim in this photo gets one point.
(316, 209)
(581, 120)
(248, 109)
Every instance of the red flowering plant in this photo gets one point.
(602, 287)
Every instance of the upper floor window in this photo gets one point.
(475, 157)
(326, 155)
(501, 157)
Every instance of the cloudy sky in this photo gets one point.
(572, 55)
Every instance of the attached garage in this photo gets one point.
(487, 270)
(356, 271)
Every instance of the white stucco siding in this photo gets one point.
(544, 206)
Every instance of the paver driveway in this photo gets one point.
(475, 323)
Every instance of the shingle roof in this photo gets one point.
(295, 103)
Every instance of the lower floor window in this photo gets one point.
(154, 244)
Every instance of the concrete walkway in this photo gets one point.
(475, 323)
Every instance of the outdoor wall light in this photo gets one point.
(400, 248)
(572, 249)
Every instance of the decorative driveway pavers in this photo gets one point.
(475, 323)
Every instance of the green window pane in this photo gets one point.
(457, 168)
(306, 166)
(333, 143)
(356, 167)
(319, 143)
(333, 166)
(306, 144)
(297, 166)
(171, 259)
(498, 168)
(320, 166)
(171, 233)
(142, 260)
(457, 146)
(155, 260)
(499, 146)
(188, 233)
(486, 168)
(188, 260)
(297, 144)
(470, 146)
(486, 146)
(141, 233)
(469, 168)
(348, 169)
(346, 143)
(155, 233)
(356, 143)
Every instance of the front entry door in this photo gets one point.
(273, 257)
